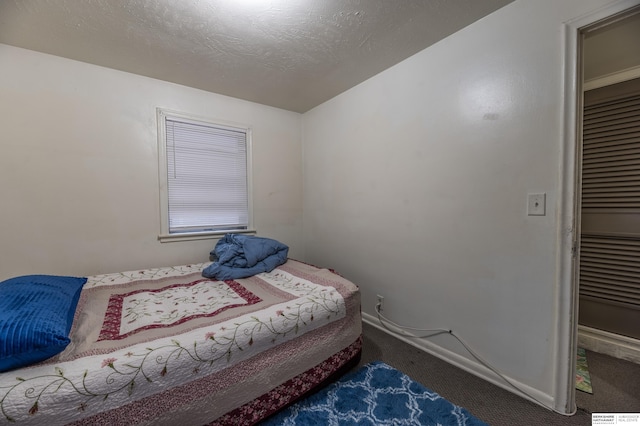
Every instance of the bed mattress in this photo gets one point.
(167, 346)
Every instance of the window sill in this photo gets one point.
(192, 236)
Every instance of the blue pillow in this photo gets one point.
(36, 313)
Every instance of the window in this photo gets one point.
(204, 177)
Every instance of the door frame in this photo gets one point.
(568, 237)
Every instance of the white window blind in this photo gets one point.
(207, 181)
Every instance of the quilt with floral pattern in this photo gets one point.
(165, 345)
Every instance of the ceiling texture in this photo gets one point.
(290, 54)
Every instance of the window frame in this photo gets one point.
(165, 236)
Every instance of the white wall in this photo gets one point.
(416, 183)
(79, 167)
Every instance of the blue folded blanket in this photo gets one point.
(241, 256)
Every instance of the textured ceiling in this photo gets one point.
(291, 54)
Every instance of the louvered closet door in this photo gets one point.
(610, 239)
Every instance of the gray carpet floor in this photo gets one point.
(616, 385)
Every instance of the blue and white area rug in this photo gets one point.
(377, 394)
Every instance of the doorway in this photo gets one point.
(569, 201)
(609, 193)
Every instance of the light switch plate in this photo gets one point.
(536, 204)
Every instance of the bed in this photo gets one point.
(167, 346)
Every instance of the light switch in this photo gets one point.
(536, 204)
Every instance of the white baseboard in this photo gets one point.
(614, 345)
(466, 364)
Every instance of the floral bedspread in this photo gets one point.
(137, 334)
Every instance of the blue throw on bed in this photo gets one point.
(241, 256)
